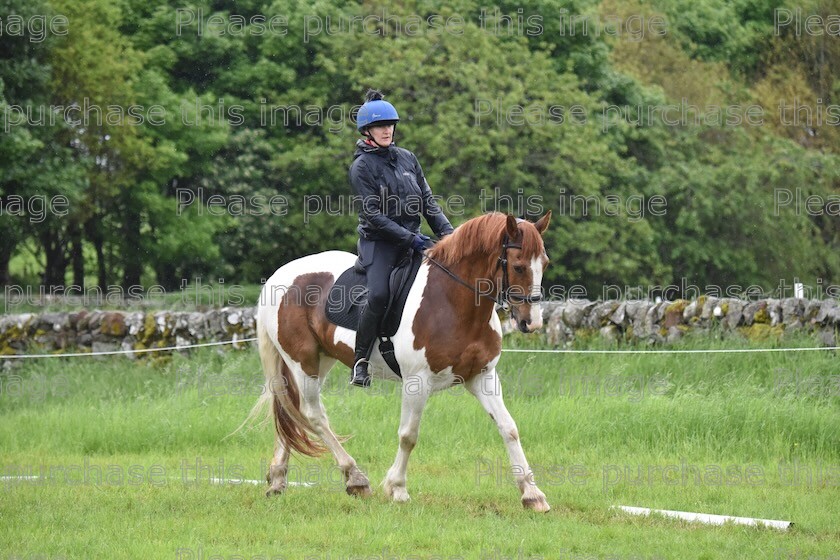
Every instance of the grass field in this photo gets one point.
(123, 453)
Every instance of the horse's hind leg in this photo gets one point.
(273, 366)
(356, 483)
(277, 470)
(488, 391)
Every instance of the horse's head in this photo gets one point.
(504, 258)
(521, 264)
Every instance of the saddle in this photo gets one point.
(348, 296)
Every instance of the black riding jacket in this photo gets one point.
(392, 195)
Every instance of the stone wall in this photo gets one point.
(104, 331)
(668, 321)
(632, 321)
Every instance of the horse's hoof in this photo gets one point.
(538, 504)
(275, 489)
(397, 493)
(361, 491)
(400, 496)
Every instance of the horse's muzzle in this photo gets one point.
(529, 323)
(525, 325)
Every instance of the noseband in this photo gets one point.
(505, 296)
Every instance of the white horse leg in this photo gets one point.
(488, 391)
(277, 470)
(356, 483)
(413, 401)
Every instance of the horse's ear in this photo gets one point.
(512, 227)
(542, 223)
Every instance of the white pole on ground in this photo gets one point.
(708, 518)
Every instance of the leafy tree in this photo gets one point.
(514, 107)
(35, 150)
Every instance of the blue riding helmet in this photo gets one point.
(373, 112)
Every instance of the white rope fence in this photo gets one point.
(508, 350)
(699, 351)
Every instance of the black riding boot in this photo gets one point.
(365, 338)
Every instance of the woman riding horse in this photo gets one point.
(394, 194)
(449, 334)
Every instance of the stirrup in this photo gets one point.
(362, 380)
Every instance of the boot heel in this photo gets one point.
(360, 377)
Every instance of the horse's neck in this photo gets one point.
(478, 305)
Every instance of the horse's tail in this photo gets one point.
(281, 392)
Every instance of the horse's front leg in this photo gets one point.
(414, 397)
(488, 391)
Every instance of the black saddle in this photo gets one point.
(349, 294)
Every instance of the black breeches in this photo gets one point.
(379, 259)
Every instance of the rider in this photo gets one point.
(394, 194)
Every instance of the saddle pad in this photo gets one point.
(349, 294)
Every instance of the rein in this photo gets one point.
(506, 297)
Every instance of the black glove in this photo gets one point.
(419, 242)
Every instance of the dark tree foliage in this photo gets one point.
(233, 159)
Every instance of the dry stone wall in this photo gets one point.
(565, 322)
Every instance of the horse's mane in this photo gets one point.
(483, 236)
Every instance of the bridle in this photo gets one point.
(505, 297)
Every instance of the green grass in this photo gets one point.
(754, 435)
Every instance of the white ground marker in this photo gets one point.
(230, 481)
(709, 518)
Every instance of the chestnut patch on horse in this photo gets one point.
(467, 349)
(302, 309)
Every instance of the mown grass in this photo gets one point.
(751, 435)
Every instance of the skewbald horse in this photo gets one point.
(448, 334)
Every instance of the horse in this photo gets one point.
(449, 333)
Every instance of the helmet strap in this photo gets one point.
(369, 136)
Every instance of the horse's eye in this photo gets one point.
(519, 269)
